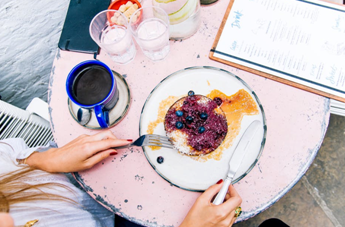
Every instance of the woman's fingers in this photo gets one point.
(98, 146)
(99, 157)
(233, 218)
(209, 194)
(106, 134)
(233, 202)
(232, 221)
(232, 191)
(229, 219)
(6, 220)
(227, 196)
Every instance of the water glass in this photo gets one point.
(110, 30)
(150, 28)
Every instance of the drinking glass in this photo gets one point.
(150, 28)
(109, 29)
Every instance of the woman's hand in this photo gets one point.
(205, 214)
(80, 154)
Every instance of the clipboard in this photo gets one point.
(75, 32)
(305, 86)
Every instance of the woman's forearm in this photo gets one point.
(38, 161)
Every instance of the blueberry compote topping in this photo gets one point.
(179, 125)
(201, 129)
(218, 101)
(179, 113)
(205, 128)
(203, 116)
(189, 119)
(160, 159)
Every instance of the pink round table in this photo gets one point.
(127, 184)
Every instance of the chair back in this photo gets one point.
(19, 123)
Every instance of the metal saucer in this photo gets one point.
(116, 114)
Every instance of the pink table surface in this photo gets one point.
(127, 184)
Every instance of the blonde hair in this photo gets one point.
(14, 190)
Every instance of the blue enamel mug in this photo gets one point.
(92, 85)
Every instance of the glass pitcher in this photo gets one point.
(184, 16)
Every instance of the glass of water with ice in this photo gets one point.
(150, 28)
(110, 30)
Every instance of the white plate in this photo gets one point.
(197, 174)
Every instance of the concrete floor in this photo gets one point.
(318, 199)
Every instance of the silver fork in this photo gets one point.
(149, 140)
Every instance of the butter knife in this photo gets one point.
(236, 159)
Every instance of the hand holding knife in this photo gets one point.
(236, 159)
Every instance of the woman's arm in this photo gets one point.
(80, 154)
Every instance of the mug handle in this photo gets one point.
(102, 116)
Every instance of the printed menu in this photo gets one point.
(299, 41)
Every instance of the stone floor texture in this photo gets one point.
(318, 199)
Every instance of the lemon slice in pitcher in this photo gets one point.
(177, 10)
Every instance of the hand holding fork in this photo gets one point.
(149, 140)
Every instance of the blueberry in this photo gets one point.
(160, 160)
(179, 113)
(179, 125)
(189, 119)
(203, 116)
(190, 93)
(198, 147)
(218, 101)
(201, 129)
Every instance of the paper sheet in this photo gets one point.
(301, 41)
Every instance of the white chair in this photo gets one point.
(39, 107)
(337, 107)
(19, 123)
